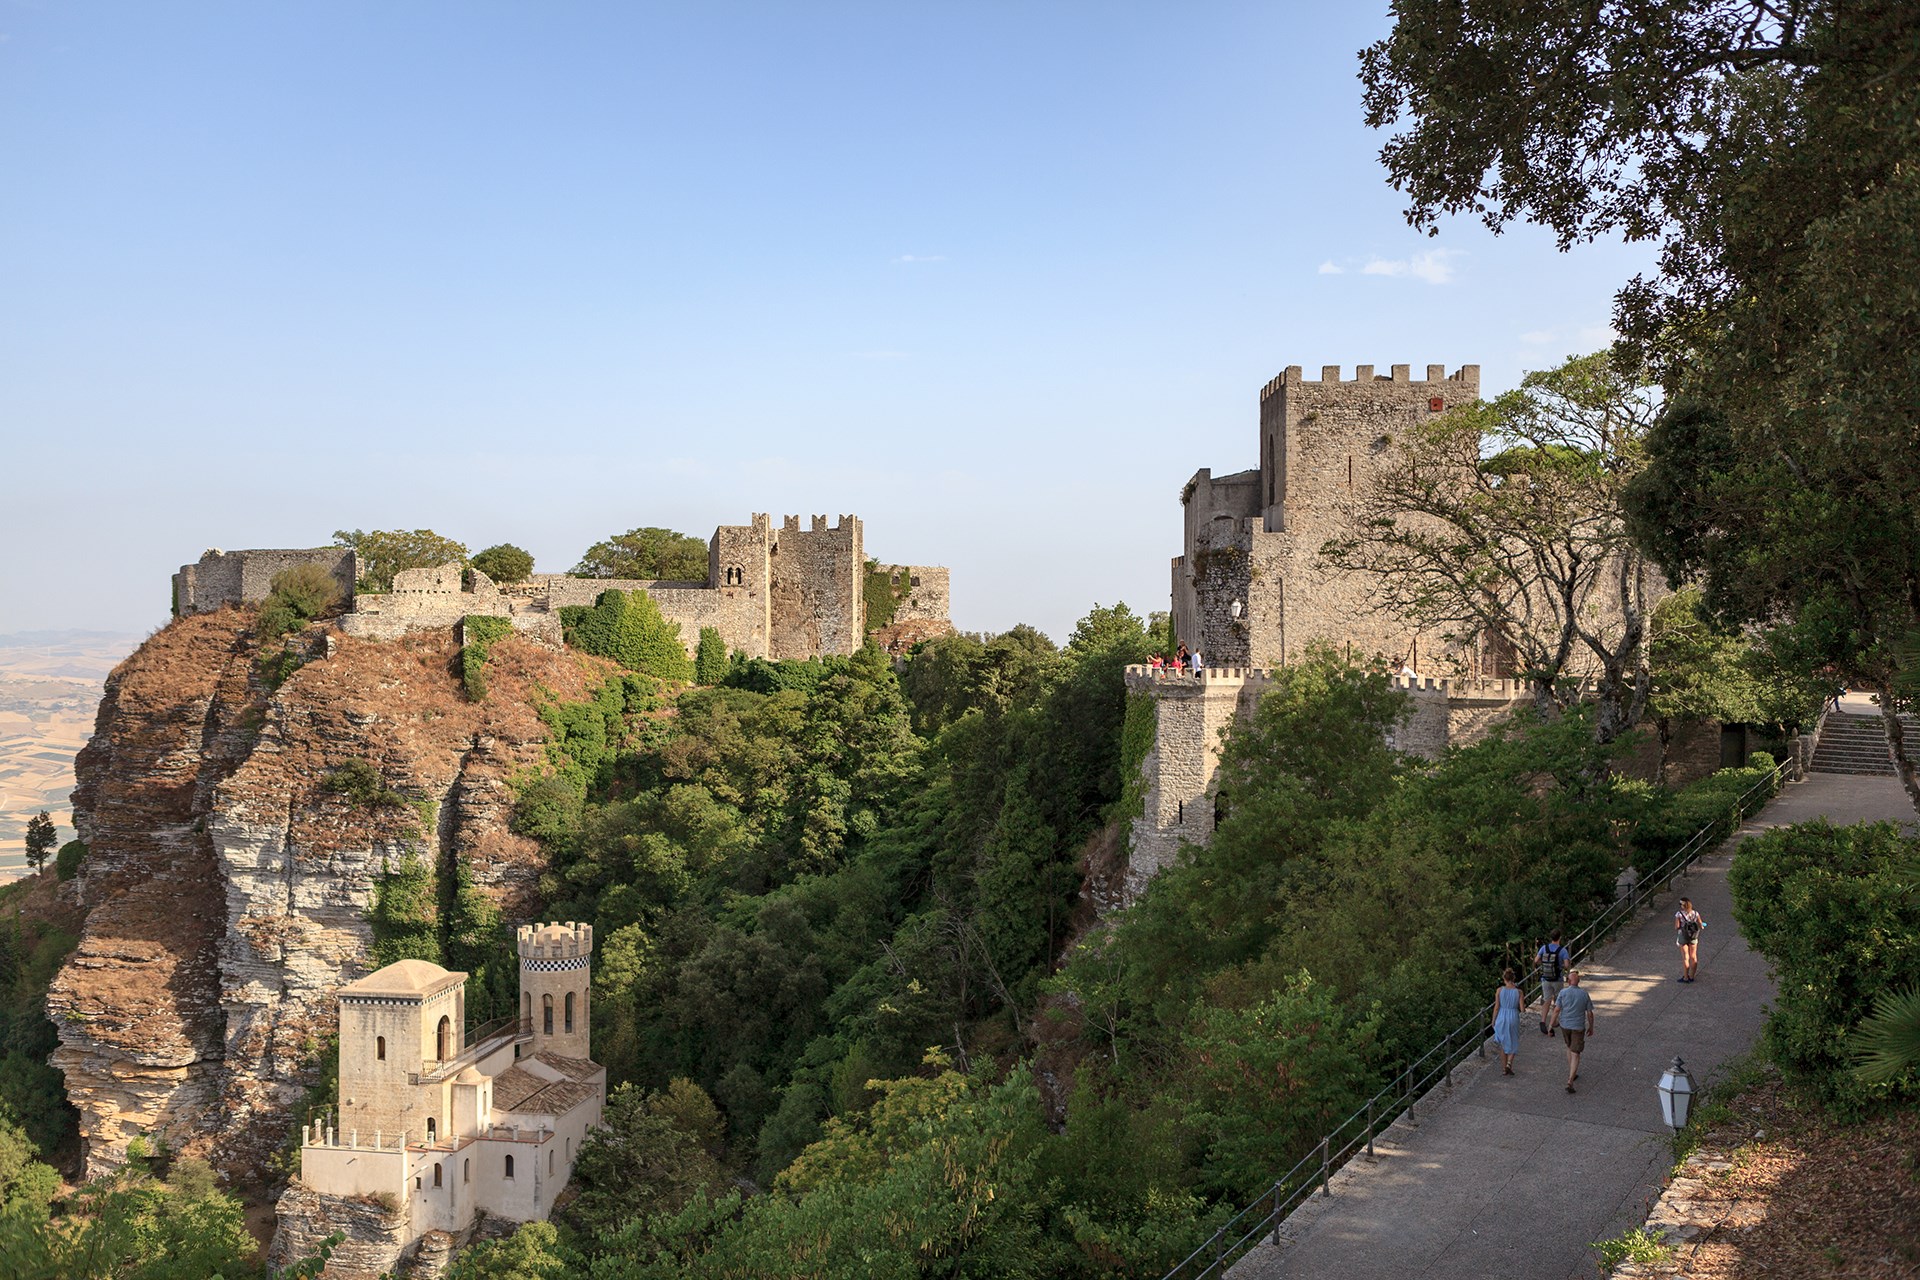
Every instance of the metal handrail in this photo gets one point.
(1418, 1077)
(483, 1040)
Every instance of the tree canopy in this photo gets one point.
(647, 554)
(1771, 148)
(385, 552)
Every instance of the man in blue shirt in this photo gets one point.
(1573, 1014)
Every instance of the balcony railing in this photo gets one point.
(485, 1039)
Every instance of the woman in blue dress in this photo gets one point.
(1508, 1004)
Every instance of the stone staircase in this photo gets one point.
(1852, 743)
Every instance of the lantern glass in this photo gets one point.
(1676, 1095)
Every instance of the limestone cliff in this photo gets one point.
(228, 889)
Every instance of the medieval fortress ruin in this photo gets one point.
(1251, 592)
(771, 593)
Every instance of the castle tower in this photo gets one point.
(556, 969)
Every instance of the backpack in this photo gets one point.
(1690, 930)
(1550, 957)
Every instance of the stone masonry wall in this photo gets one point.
(246, 577)
(819, 588)
(927, 593)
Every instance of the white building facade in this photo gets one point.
(451, 1124)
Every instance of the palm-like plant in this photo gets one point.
(1886, 1045)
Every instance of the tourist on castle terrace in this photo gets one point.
(1573, 1014)
(1552, 960)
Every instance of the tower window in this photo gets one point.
(436, 1175)
(546, 1015)
(380, 1048)
(430, 1128)
(549, 1162)
(466, 1170)
(509, 1166)
(441, 1038)
(569, 1013)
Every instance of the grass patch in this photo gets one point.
(1637, 1245)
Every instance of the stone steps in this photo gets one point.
(1857, 744)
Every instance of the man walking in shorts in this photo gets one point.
(1573, 1014)
(1552, 960)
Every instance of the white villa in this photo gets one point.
(452, 1125)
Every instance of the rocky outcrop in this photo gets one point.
(373, 1232)
(228, 887)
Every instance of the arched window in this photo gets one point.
(549, 1162)
(527, 1000)
(509, 1166)
(380, 1048)
(546, 1014)
(430, 1128)
(436, 1175)
(569, 1012)
(466, 1170)
(442, 1038)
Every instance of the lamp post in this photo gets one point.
(1234, 609)
(1676, 1094)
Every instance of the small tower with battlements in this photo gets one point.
(556, 968)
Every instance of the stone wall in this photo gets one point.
(246, 577)
(440, 599)
(819, 588)
(927, 597)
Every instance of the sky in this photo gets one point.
(996, 277)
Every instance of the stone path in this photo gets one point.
(1514, 1177)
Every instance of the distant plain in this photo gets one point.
(50, 683)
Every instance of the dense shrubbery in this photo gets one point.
(478, 635)
(1834, 911)
(66, 863)
(298, 596)
(710, 664)
(1668, 819)
(629, 629)
(362, 784)
(504, 563)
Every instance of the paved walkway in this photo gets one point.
(1514, 1177)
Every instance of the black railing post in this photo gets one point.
(1369, 1128)
(1326, 1174)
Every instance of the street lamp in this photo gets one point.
(1234, 609)
(1676, 1094)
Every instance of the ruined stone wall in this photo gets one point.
(738, 613)
(246, 577)
(927, 593)
(819, 588)
(426, 600)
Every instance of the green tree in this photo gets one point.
(297, 596)
(652, 1155)
(134, 1226)
(504, 563)
(41, 839)
(1502, 522)
(710, 665)
(647, 554)
(534, 1252)
(385, 552)
(1771, 149)
(26, 1185)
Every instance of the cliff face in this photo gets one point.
(228, 889)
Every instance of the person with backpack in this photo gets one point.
(1687, 925)
(1551, 960)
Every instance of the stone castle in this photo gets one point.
(1248, 587)
(771, 593)
(1251, 592)
(445, 1126)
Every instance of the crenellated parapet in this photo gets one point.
(569, 941)
(1362, 373)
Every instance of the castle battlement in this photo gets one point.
(1293, 375)
(554, 941)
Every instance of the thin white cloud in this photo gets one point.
(1435, 266)
(1332, 268)
(921, 257)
